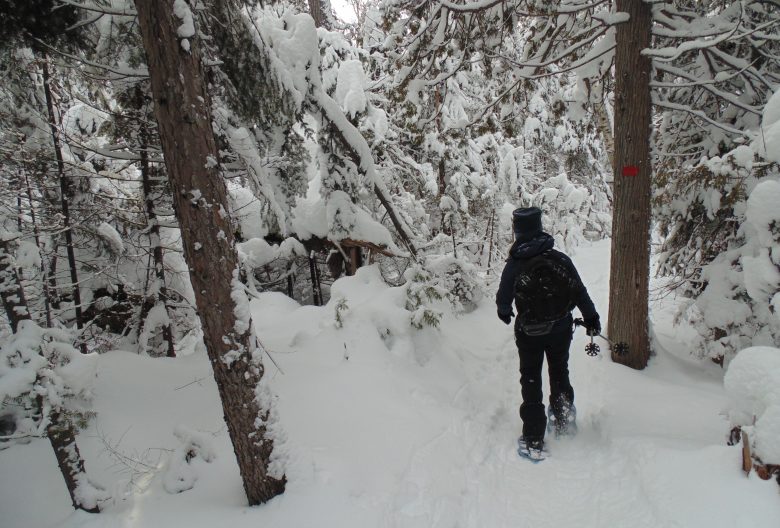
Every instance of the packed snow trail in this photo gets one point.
(390, 427)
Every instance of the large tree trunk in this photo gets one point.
(183, 110)
(628, 284)
(315, 10)
(61, 434)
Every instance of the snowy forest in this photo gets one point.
(250, 250)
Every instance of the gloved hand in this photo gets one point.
(507, 318)
(592, 325)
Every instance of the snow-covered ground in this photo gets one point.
(390, 427)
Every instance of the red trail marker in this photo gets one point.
(630, 170)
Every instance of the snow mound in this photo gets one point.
(350, 88)
(769, 142)
(762, 212)
(181, 474)
(111, 237)
(753, 382)
(256, 252)
(337, 218)
(40, 362)
(390, 426)
(742, 293)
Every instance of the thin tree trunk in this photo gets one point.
(61, 434)
(19, 207)
(490, 238)
(44, 270)
(290, 287)
(315, 280)
(605, 128)
(183, 110)
(62, 437)
(442, 180)
(628, 285)
(11, 291)
(454, 245)
(355, 260)
(399, 226)
(151, 192)
(55, 296)
(65, 192)
(603, 124)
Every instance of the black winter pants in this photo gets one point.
(532, 350)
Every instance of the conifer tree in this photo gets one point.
(183, 111)
(716, 68)
(630, 268)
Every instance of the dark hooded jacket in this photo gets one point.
(523, 250)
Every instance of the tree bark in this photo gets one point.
(315, 10)
(628, 284)
(62, 437)
(315, 280)
(183, 110)
(355, 260)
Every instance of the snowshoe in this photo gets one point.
(532, 450)
(565, 425)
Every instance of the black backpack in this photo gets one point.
(545, 292)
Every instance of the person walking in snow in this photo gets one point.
(545, 287)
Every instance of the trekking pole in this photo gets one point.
(619, 349)
(592, 349)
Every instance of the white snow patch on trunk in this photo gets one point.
(187, 28)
